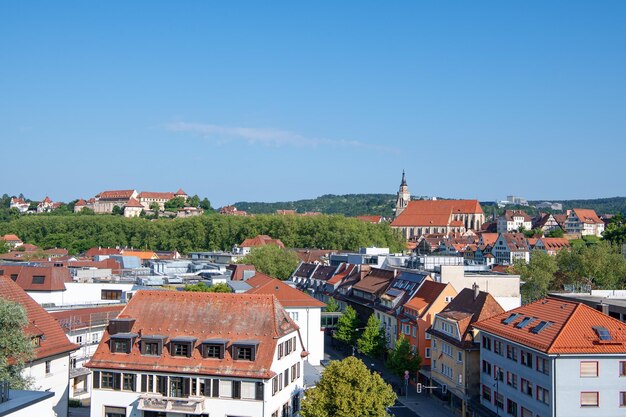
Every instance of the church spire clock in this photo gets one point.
(403, 196)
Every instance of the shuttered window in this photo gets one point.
(588, 369)
(589, 399)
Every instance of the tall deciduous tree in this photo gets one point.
(347, 325)
(401, 358)
(175, 203)
(272, 260)
(347, 389)
(15, 346)
(332, 306)
(537, 275)
(372, 341)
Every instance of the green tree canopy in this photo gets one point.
(193, 201)
(272, 260)
(175, 203)
(155, 207)
(401, 358)
(117, 211)
(558, 232)
(537, 275)
(332, 306)
(15, 346)
(348, 389)
(616, 230)
(202, 287)
(347, 325)
(372, 341)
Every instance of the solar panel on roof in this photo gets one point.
(542, 325)
(603, 333)
(510, 318)
(525, 322)
(394, 292)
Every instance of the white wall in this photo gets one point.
(56, 381)
(40, 409)
(78, 293)
(310, 322)
(504, 288)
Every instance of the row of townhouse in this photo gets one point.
(578, 221)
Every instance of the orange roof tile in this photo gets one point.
(286, 295)
(370, 219)
(587, 216)
(11, 238)
(570, 329)
(133, 203)
(116, 195)
(156, 195)
(40, 321)
(235, 317)
(53, 278)
(143, 255)
(555, 243)
(261, 240)
(427, 294)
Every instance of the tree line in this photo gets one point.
(211, 232)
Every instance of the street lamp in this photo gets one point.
(496, 399)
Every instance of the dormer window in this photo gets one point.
(152, 345)
(245, 350)
(122, 342)
(182, 346)
(214, 348)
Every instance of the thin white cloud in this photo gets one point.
(266, 136)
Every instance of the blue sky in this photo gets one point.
(273, 101)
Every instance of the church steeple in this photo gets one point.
(403, 196)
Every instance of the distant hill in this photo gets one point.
(348, 205)
(383, 204)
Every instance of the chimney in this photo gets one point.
(604, 308)
(476, 289)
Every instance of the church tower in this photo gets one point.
(403, 196)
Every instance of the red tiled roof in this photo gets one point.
(312, 255)
(571, 328)
(156, 195)
(587, 216)
(424, 220)
(235, 317)
(54, 277)
(555, 243)
(40, 321)
(143, 255)
(489, 238)
(426, 295)
(133, 203)
(180, 192)
(510, 214)
(238, 271)
(116, 195)
(261, 240)
(467, 310)
(516, 241)
(11, 238)
(435, 212)
(560, 218)
(287, 295)
(344, 272)
(84, 317)
(102, 252)
(80, 203)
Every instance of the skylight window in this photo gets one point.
(525, 322)
(603, 333)
(542, 325)
(512, 317)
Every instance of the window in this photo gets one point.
(286, 377)
(213, 351)
(486, 368)
(38, 279)
(226, 389)
(499, 400)
(79, 340)
(176, 386)
(244, 353)
(119, 346)
(622, 368)
(543, 395)
(511, 353)
(248, 390)
(14, 277)
(114, 411)
(486, 343)
(110, 380)
(526, 412)
(427, 336)
(111, 295)
(497, 347)
(527, 387)
(622, 399)
(280, 350)
(180, 349)
(589, 399)
(527, 359)
(434, 344)
(147, 381)
(446, 349)
(486, 393)
(274, 385)
(542, 365)
(459, 357)
(511, 408)
(511, 379)
(498, 373)
(588, 369)
(151, 348)
(128, 382)
(427, 353)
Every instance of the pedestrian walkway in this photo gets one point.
(424, 404)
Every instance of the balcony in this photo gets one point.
(154, 402)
